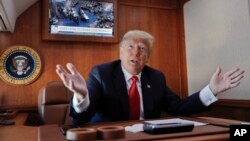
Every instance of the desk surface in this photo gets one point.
(52, 132)
(207, 132)
(18, 133)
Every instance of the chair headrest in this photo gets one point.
(55, 93)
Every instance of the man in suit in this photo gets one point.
(108, 94)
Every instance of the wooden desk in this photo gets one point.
(215, 137)
(207, 132)
(18, 132)
(20, 119)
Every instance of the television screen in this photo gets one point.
(81, 17)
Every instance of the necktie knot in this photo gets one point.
(134, 79)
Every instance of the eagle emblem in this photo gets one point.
(20, 64)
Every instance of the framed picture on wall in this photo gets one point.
(80, 20)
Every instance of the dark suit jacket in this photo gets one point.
(109, 99)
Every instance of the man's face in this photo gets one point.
(134, 54)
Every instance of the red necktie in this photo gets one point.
(134, 100)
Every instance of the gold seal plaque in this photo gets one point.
(20, 65)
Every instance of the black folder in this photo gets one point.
(167, 128)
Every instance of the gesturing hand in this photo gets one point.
(222, 82)
(73, 80)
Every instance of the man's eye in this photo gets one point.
(142, 48)
(130, 46)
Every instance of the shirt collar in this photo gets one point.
(128, 75)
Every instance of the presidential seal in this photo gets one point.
(20, 65)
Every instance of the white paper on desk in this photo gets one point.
(134, 128)
(139, 127)
(176, 120)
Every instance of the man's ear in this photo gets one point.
(120, 52)
(148, 56)
(147, 59)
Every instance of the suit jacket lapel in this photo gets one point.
(146, 94)
(121, 88)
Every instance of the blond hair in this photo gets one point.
(138, 34)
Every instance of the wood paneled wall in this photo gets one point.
(230, 109)
(162, 18)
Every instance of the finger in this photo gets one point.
(236, 74)
(71, 85)
(237, 79)
(63, 78)
(72, 68)
(61, 68)
(61, 74)
(218, 71)
(229, 73)
(235, 84)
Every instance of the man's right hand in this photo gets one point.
(73, 80)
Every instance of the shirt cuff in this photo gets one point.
(80, 104)
(207, 97)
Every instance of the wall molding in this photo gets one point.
(151, 4)
(233, 103)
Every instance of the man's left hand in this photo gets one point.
(222, 82)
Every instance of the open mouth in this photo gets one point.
(134, 61)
